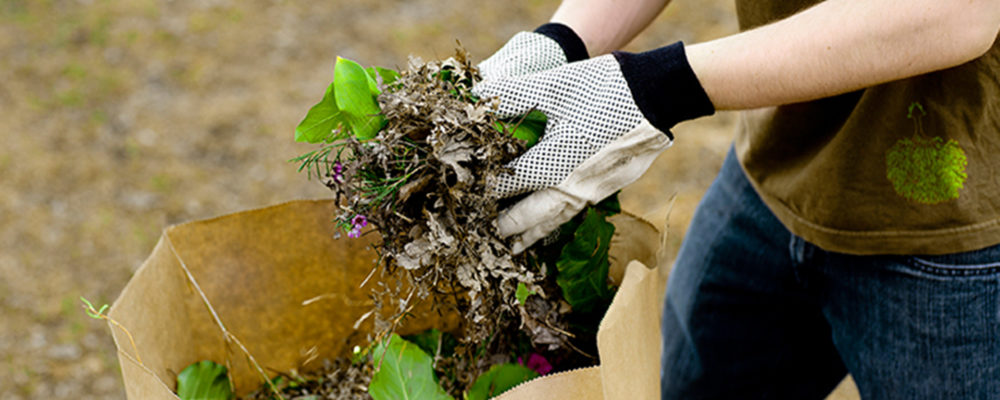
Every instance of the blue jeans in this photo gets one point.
(755, 312)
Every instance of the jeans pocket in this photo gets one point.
(976, 263)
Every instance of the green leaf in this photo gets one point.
(427, 340)
(355, 100)
(388, 76)
(498, 379)
(203, 380)
(91, 312)
(528, 128)
(321, 120)
(522, 293)
(446, 75)
(583, 263)
(610, 205)
(372, 84)
(532, 127)
(405, 373)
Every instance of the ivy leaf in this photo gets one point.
(405, 373)
(355, 100)
(522, 293)
(320, 121)
(498, 379)
(204, 380)
(583, 262)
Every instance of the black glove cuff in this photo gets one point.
(571, 44)
(664, 86)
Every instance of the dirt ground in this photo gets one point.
(121, 117)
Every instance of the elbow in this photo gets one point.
(942, 35)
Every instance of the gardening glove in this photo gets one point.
(550, 46)
(608, 119)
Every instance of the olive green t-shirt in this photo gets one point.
(853, 174)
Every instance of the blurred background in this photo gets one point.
(121, 117)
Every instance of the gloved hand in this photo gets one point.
(550, 46)
(608, 119)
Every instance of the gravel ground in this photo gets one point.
(121, 117)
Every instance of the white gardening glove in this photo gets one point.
(551, 45)
(608, 119)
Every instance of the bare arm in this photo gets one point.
(842, 45)
(606, 25)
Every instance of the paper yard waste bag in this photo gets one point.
(275, 284)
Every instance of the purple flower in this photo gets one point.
(338, 172)
(537, 363)
(359, 221)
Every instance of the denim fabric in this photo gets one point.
(755, 312)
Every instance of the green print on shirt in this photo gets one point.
(926, 170)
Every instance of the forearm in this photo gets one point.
(840, 46)
(606, 25)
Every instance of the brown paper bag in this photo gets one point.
(270, 282)
(255, 269)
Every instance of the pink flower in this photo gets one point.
(537, 363)
(359, 221)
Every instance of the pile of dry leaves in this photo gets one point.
(423, 183)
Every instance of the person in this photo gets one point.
(854, 225)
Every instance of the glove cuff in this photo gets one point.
(664, 86)
(571, 44)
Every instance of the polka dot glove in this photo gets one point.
(608, 119)
(550, 46)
